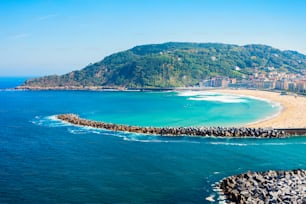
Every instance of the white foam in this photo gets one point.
(277, 144)
(283, 143)
(210, 198)
(223, 97)
(77, 131)
(143, 140)
(132, 137)
(218, 190)
(228, 143)
(217, 98)
(258, 144)
(195, 93)
(212, 96)
(48, 121)
(221, 198)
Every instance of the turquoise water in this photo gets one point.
(174, 109)
(46, 161)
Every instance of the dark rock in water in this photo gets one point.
(266, 187)
(172, 131)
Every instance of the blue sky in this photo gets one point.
(41, 37)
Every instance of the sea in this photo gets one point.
(44, 160)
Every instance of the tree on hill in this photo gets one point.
(176, 64)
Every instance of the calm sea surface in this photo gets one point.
(46, 161)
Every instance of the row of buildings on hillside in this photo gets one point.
(271, 80)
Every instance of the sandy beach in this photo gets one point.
(293, 114)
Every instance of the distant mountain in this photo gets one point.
(175, 64)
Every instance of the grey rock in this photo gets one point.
(169, 131)
(266, 187)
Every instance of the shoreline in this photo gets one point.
(291, 115)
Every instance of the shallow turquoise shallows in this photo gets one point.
(46, 161)
(172, 109)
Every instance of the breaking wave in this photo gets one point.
(219, 98)
(213, 97)
(48, 121)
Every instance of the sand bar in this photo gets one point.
(293, 114)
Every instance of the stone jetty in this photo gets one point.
(266, 187)
(177, 131)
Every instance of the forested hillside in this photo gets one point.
(176, 64)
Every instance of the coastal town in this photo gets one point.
(153, 102)
(264, 79)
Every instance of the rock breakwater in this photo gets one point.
(176, 131)
(266, 187)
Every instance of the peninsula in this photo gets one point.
(178, 64)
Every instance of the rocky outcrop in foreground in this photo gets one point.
(176, 131)
(266, 187)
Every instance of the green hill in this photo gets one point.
(176, 64)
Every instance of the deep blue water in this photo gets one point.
(11, 82)
(46, 161)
